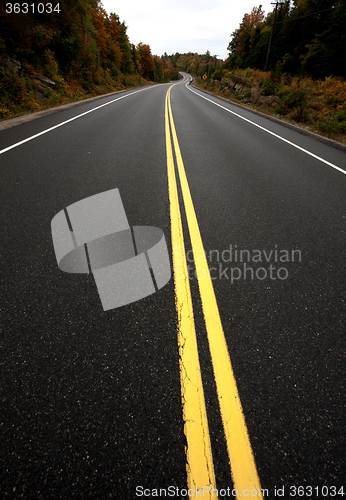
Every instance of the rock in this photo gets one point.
(12, 64)
(211, 84)
(255, 94)
(239, 83)
(44, 79)
(276, 101)
(270, 99)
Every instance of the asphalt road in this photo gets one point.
(91, 402)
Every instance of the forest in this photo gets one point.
(301, 79)
(308, 38)
(74, 51)
(79, 50)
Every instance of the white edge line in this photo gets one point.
(70, 120)
(269, 132)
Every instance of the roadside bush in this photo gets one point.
(341, 117)
(217, 75)
(5, 112)
(14, 88)
(269, 87)
(292, 99)
(333, 125)
(319, 104)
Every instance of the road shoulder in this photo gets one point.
(292, 126)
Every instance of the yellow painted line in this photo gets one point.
(243, 467)
(199, 467)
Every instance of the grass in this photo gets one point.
(21, 94)
(315, 105)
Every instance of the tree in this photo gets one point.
(308, 38)
(244, 37)
(145, 59)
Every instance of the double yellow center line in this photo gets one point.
(200, 468)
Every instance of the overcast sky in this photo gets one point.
(183, 25)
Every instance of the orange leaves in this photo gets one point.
(145, 59)
(102, 39)
(252, 20)
(108, 36)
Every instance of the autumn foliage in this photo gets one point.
(193, 63)
(82, 48)
(308, 39)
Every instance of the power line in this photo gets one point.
(288, 20)
(311, 14)
(271, 33)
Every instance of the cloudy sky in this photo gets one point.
(183, 25)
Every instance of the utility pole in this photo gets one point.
(271, 33)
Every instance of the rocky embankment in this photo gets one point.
(243, 88)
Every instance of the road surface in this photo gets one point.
(233, 382)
